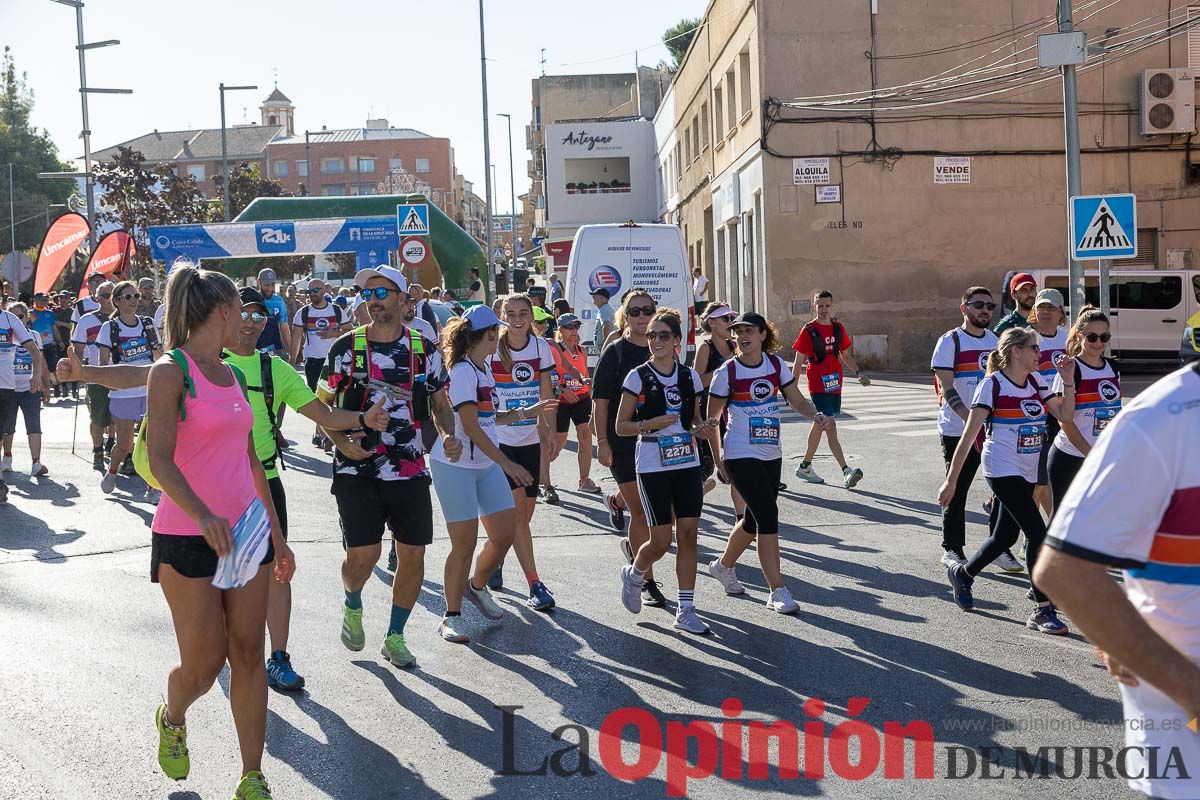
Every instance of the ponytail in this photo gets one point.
(191, 297)
(458, 340)
(1087, 315)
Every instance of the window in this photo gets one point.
(597, 175)
(744, 80)
(678, 162)
(333, 189)
(363, 188)
(1153, 294)
(1193, 37)
(718, 112)
(703, 125)
(196, 171)
(1147, 245)
(687, 144)
(731, 92)
(395, 165)
(422, 165)
(281, 169)
(302, 169)
(365, 164)
(333, 166)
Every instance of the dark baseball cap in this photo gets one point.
(266, 276)
(251, 296)
(602, 292)
(750, 318)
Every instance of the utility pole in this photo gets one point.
(12, 210)
(1076, 295)
(224, 148)
(512, 188)
(487, 154)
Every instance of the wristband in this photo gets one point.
(362, 420)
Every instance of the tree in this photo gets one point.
(30, 151)
(246, 184)
(679, 37)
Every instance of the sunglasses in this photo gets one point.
(574, 326)
(980, 305)
(104, 296)
(1098, 337)
(662, 336)
(379, 293)
(640, 311)
(1037, 348)
(314, 291)
(127, 297)
(255, 316)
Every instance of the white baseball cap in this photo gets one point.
(390, 273)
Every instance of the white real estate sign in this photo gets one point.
(952, 169)
(810, 171)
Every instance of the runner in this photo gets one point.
(83, 342)
(41, 321)
(198, 426)
(751, 455)
(1023, 290)
(959, 360)
(1049, 321)
(1010, 406)
(660, 406)
(277, 333)
(315, 326)
(575, 398)
(90, 302)
(1133, 506)
(126, 339)
(714, 350)
(1097, 399)
(824, 343)
(618, 452)
(522, 370)
(542, 320)
(383, 481)
(471, 483)
(20, 363)
(62, 335)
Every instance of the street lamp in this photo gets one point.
(487, 143)
(512, 189)
(224, 153)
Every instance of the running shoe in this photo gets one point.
(961, 583)
(1044, 619)
(352, 630)
(727, 576)
(626, 550)
(496, 582)
(1007, 562)
(6, 464)
(550, 495)
(38, 470)
(687, 620)
(589, 486)
(391, 562)
(808, 474)
(280, 674)
(1030, 596)
(851, 477)
(396, 651)
(316, 440)
(987, 506)
(616, 514)
(483, 600)
(448, 630)
(631, 591)
(782, 602)
(108, 482)
(652, 595)
(952, 557)
(127, 469)
(253, 787)
(98, 459)
(540, 598)
(782, 486)
(172, 746)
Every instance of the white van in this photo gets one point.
(1149, 307)
(621, 257)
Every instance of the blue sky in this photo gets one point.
(415, 64)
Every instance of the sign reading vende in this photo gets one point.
(952, 169)
(810, 171)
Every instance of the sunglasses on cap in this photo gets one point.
(980, 305)
(253, 316)
(1098, 337)
(640, 311)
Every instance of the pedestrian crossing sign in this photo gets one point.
(412, 219)
(1103, 226)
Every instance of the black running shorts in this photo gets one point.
(757, 482)
(189, 555)
(671, 494)
(365, 505)
(528, 456)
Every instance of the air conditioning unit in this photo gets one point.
(1167, 100)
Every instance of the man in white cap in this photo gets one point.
(382, 479)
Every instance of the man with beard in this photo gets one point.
(1023, 289)
(382, 479)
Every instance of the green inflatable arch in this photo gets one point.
(453, 248)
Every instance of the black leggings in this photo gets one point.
(1063, 468)
(757, 481)
(1017, 511)
(954, 516)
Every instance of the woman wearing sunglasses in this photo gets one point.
(1097, 398)
(1010, 407)
(574, 398)
(126, 338)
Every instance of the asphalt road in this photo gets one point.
(86, 642)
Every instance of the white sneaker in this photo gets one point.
(631, 590)
(6, 464)
(38, 470)
(950, 558)
(781, 601)
(448, 630)
(1008, 563)
(687, 620)
(851, 477)
(483, 600)
(727, 577)
(807, 473)
(108, 483)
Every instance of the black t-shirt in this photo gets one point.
(617, 361)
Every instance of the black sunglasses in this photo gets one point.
(980, 305)
(315, 291)
(127, 297)
(1098, 337)
(662, 336)
(256, 316)
(640, 311)
(380, 292)
(104, 296)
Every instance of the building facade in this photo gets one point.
(786, 182)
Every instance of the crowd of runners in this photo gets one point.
(473, 406)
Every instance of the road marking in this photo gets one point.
(895, 423)
(922, 432)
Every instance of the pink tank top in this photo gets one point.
(210, 451)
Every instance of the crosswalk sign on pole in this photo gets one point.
(1103, 226)
(412, 219)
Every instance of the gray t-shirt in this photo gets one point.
(604, 316)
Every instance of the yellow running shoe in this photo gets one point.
(352, 629)
(172, 746)
(396, 651)
(253, 786)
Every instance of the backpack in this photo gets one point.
(114, 337)
(937, 386)
(818, 341)
(141, 455)
(656, 396)
(265, 368)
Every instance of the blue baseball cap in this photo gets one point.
(480, 317)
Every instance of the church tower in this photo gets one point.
(277, 109)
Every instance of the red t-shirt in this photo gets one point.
(825, 377)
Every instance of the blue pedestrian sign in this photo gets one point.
(1103, 226)
(412, 219)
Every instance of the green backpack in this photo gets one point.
(141, 455)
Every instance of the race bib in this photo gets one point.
(1029, 439)
(521, 402)
(764, 430)
(23, 362)
(676, 449)
(1103, 416)
(135, 349)
(831, 383)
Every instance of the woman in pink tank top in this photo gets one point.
(201, 451)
